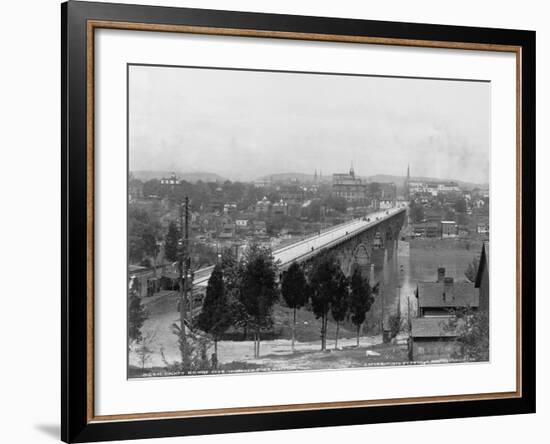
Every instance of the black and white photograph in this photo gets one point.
(275, 222)
(285, 221)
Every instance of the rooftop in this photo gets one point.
(447, 294)
(483, 262)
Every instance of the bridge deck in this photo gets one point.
(310, 246)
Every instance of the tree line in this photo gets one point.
(242, 294)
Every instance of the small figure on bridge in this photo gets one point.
(214, 361)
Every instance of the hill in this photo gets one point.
(189, 177)
(400, 180)
(283, 177)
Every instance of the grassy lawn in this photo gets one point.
(426, 255)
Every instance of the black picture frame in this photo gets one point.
(76, 423)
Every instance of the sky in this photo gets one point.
(244, 125)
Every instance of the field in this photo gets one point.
(426, 255)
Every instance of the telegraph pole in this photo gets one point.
(183, 278)
(187, 255)
(410, 339)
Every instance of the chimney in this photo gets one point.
(440, 274)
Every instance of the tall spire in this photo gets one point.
(351, 171)
(407, 186)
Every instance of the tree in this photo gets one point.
(472, 329)
(374, 189)
(313, 210)
(214, 316)
(142, 236)
(460, 205)
(324, 279)
(462, 219)
(152, 187)
(232, 272)
(416, 212)
(336, 203)
(395, 324)
(361, 299)
(171, 242)
(340, 302)
(137, 315)
(450, 214)
(294, 289)
(258, 291)
(471, 270)
(145, 350)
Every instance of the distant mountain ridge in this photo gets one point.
(192, 177)
(400, 180)
(206, 176)
(304, 177)
(382, 178)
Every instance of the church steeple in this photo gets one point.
(351, 171)
(407, 180)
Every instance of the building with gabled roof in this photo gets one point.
(482, 277)
(435, 329)
(440, 298)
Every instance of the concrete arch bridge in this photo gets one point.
(358, 243)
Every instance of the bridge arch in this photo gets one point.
(361, 259)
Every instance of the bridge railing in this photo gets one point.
(345, 237)
(361, 224)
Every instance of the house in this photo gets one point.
(427, 229)
(241, 223)
(260, 228)
(434, 338)
(263, 206)
(482, 278)
(440, 298)
(448, 187)
(170, 181)
(434, 330)
(229, 208)
(483, 228)
(449, 228)
(280, 208)
(227, 231)
(433, 216)
(144, 281)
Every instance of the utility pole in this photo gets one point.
(410, 339)
(187, 262)
(381, 290)
(399, 301)
(183, 266)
